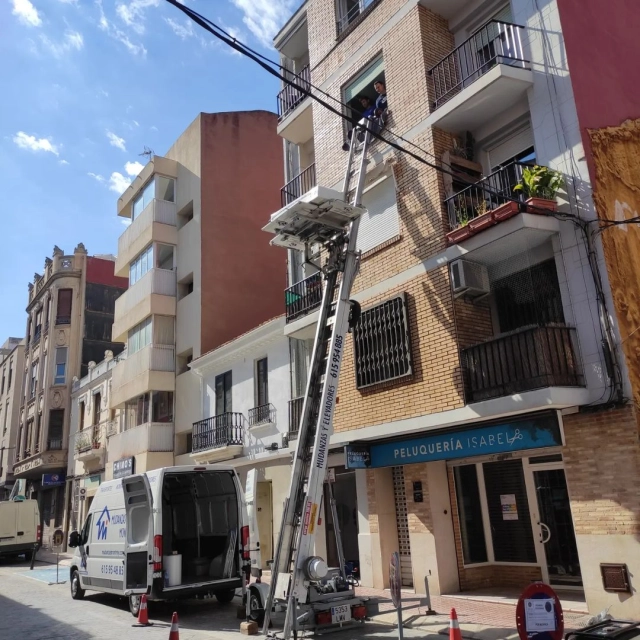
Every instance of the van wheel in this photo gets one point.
(134, 605)
(77, 592)
(224, 597)
(256, 610)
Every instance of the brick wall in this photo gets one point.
(487, 575)
(602, 465)
(419, 513)
(436, 383)
(372, 502)
(473, 321)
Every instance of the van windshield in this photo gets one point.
(200, 514)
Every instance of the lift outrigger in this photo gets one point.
(313, 596)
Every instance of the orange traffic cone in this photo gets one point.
(174, 634)
(143, 613)
(454, 627)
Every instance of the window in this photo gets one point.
(141, 264)
(185, 215)
(474, 548)
(262, 382)
(61, 365)
(38, 429)
(140, 336)
(164, 258)
(56, 424)
(161, 406)
(6, 413)
(185, 286)
(86, 530)
(136, 411)
(43, 371)
(223, 393)
(63, 314)
(34, 378)
(159, 187)
(382, 345)
(348, 11)
(10, 374)
(39, 322)
(362, 86)
(81, 410)
(380, 222)
(3, 381)
(97, 408)
(189, 442)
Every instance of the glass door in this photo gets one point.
(556, 528)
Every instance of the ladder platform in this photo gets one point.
(314, 217)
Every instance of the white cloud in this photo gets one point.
(125, 221)
(265, 18)
(133, 168)
(133, 14)
(26, 13)
(96, 176)
(116, 141)
(118, 183)
(115, 33)
(183, 31)
(72, 40)
(153, 127)
(69, 1)
(25, 141)
(63, 162)
(136, 123)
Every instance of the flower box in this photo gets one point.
(534, 204)
(458, 235)
(506, 211)
(482, 222)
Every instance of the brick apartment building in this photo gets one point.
(483, 419)
(69, 318)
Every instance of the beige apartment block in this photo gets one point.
(200, 274)
(69, 315)
(11, 366)
(476, 381)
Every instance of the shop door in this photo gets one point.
(556, 528)
(404, 544)
(344, 492)
(264, 517)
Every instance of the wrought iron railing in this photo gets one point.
(90, 439)
(262, 414)
(54, 444)
(495, 43)
(290, 97)
(295, 415)
(355, 12)
(486, 194)
(218, 431)
(37, 334)
(303, 297)
(523, 360)
(302, 183)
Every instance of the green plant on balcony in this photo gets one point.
(462, 216)
(540, 182)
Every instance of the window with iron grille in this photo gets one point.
(382, 343)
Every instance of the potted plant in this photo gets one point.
(463, 230)
(484, 217)
(539, 185)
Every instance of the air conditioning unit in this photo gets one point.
(469, 279)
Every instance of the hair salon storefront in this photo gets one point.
(481, 506)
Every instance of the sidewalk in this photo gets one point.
(49, 557)
(483, 619)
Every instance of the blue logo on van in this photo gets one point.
(102, 524)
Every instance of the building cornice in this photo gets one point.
(71, 273)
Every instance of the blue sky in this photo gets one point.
(86, 86)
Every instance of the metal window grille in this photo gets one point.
(382, 343)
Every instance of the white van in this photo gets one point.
(170, 533)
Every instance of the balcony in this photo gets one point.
(295, 188)
(89, 444)
(262, 416)
(526, 359)
(295, 415)
(482, 77)
(154, 293)
(157, 223)
(218, 438)
(303, 297)
(295, 121)
(150, 437)
(150, 369)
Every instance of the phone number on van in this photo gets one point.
(111, 569)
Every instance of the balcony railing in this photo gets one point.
(295, 415)
(523, 360)
(112, 428)
(54, 444)
(302, 183)
(290, 97)
(37, 334)
(486, 194)
(496, 43)
(151, 436)
(90, 439)
(263, 414)
(219, 431)
(353, 14)
(303, 297)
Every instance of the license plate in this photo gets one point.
(341, 613)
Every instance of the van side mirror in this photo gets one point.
(74, 539)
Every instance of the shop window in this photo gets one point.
(382, 345)
(508, 509)
(474, 547)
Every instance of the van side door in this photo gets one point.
(138, 547)
(251, 520)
